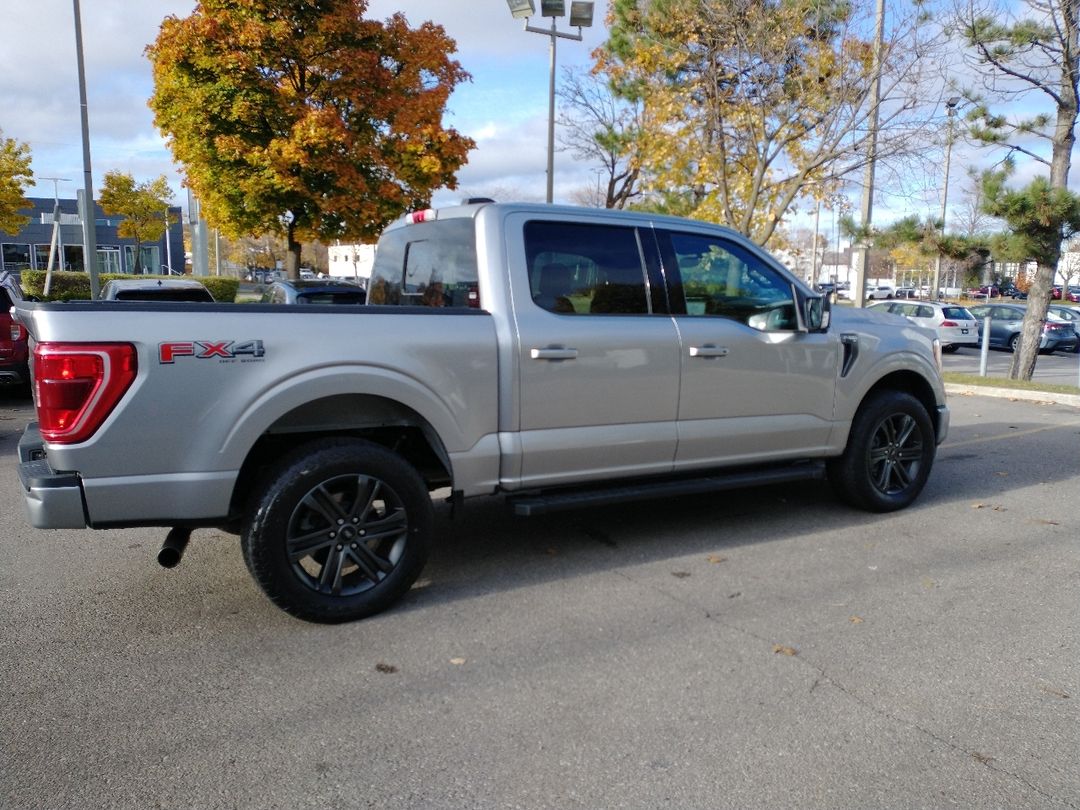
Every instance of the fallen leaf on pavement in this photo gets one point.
(385, 668)
(1047, 522)
(680, 574)
(780, 649)
(457, 662)
(856, 620)
(716, 558)
(1055, 692)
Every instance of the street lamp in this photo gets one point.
(581, 16)
(950, 110)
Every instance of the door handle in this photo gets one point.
(708, 350)
(553, 353)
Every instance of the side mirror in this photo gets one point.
(817, 313)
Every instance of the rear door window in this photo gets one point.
(586, 269)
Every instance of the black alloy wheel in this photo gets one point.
(346, 535)
(339, 530)
(889, 454)
(895, 454)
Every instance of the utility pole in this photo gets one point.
(862, 252)
(950, 108)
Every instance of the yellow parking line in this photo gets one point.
(1011, 434)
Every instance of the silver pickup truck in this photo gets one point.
(562, 356)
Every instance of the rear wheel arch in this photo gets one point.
(379, 420)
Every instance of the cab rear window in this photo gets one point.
(430, 264)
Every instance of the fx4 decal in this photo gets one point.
(206, 349)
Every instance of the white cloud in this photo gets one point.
(39, 88)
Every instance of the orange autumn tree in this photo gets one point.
(302, 118)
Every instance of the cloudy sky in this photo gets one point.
(503, 108)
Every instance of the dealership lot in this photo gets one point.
(768, 648)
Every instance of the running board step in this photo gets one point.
(552, 501)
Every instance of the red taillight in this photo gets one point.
(76, 385)
(416, 217)
(949, 323)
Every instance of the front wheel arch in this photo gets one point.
(889, 454)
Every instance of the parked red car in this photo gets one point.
(14, 370)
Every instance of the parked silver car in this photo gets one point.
(955, 325)
(155, 289)
(314, 291)
(1070, 314)
(1006, 321)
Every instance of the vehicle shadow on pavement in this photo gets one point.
(487, 548)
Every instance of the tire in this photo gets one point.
(1014, 343)
(340, 531)
(889, 454)
(950, 348)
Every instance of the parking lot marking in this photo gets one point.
(1010, 435)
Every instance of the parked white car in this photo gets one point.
(955, 325)
(881, 291)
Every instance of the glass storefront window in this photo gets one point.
(16, 257)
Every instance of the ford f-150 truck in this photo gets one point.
(562, 356)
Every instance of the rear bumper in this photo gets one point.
(54, 500)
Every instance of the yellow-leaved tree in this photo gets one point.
(15, 176)
(749, 107)
(144, 207)
(304, 118)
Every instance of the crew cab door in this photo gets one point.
(597, 353)
(754, 387)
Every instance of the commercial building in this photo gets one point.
(29, 248)
(353, 262)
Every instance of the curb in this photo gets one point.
(1044, 397)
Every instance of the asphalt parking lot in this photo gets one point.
(768, 648)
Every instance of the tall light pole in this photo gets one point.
(581, 16)
(89, 221)
(950, 109)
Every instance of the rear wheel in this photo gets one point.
(1014, 343)
(950, 348)
(889, 454)
(340, 530)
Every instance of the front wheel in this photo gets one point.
(1014, 343)
(889, 453)
(340, 531)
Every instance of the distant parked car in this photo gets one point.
(14, 370)
(955, 326)
(1006, 321)
(906, 292)
(882, 291)
(314, 291)
(155, 289)
(1070, 314)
